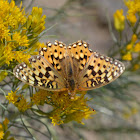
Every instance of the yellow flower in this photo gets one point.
(7, 55)
(134, 38)
(20, 40)
(56, 120)
(4, 31)
(129, 47)
(137, 47)
(4, 133)
(1, 127)
(132, 18)
(21, 56)
(133, 8)
(1, 131)
(36, 21)
(85, 114)
(5, 123)
(12, 97)
(39, 98)
(136, 67)
(16, 16)
(23, 105)
(1, 134)
(37, 46)
(119, 20)
(18, 32)
(64, 108)
(19, 101)
(127, 56)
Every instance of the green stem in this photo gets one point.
(27, 128)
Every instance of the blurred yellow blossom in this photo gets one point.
(132, 18)
(4, 133)
(1, 134)
(5, 123)
(134, 38)
(129, 46)
(119, 20)
(133, 8)
(130, 113)
(132, 47)
(127, 56)
(137, 47)
(136, 67)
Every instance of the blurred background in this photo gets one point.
(117, 104)
(72, 20)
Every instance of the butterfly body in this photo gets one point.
(73, 68)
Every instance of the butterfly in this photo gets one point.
(72, 68)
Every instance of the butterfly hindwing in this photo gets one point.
(99, 71)
(41, 74)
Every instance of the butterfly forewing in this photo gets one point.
(54, 53)
(80, 52)
(99, 71)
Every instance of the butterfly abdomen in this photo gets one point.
(70, 79)
(71, 83)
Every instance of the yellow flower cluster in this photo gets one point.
(1, 132)
(4, 133)
(119, 20)
(36, 21)
(133, 47)
(133, 9)
(19, 101)
(130, 50)
(18, 32)
(64, 108)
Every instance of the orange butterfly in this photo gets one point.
(73, 68)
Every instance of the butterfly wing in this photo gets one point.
(99, 71)
(49, 69)
(93, 69)
(80, 53)
(41, 74)
(54, 54)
